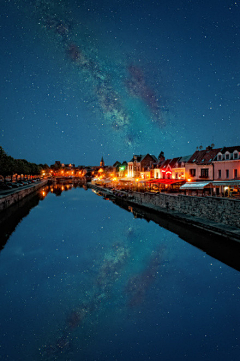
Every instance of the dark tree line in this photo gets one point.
(10, 166)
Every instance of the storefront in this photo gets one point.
(214, 188)
(165, 185)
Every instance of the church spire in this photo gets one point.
(102, 163)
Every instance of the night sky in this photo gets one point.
(86, 79)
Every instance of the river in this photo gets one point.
(83, 280)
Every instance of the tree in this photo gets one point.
(3, 163)
(21, 167)
(7, 164)
(11, 166)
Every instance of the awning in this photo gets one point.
(166, 181)
(195, 185)
(202, 185)
(126, 180)
(226, 183)
(145, 181)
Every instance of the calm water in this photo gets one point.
(81, 279)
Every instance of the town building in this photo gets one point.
(227, 164)
(171, 168)
(215, 172)
(140, 163)
(166, 168)
(200, 166)
(120, 169)
(178, 170)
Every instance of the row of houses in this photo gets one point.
(205, 168)
(210, 167)
(208, 164)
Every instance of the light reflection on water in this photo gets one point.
(81, 279)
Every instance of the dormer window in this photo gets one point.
(227, 155)
(235, 155)
(219, 157)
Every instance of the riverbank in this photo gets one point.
(162, 207)
(9, 198)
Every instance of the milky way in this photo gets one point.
(115, 100)
(89, 78)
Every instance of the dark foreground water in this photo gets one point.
(81, 280)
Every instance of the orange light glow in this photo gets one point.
(189, 180)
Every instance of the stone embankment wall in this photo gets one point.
(15, 197)
(220, 210)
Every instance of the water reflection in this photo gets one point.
(82, 279)
(137, 285)
(109, 272)
(12, 216)
(215, 245)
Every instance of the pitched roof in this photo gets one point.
(164, 163)
(140, 157)
(230, 149)
(185, 158)
(170, 162)
(136, 157)
(116, 163)
(205, 156)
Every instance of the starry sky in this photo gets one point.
(86, 79)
